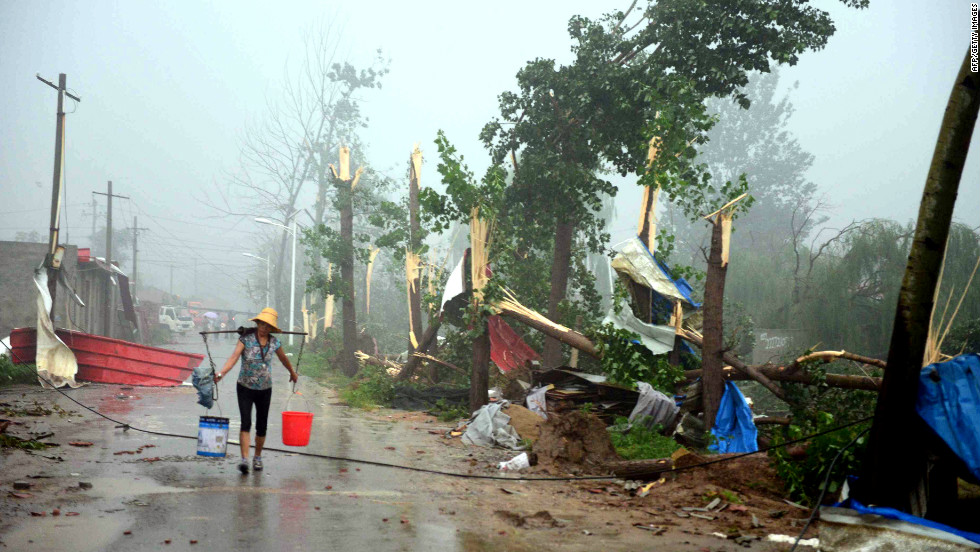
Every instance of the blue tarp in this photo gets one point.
(682, 286)
(949, 403)
(734, 430)
(892, 513)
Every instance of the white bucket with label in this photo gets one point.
(212, 437)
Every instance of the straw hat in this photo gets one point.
(270, 317)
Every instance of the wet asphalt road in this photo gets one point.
(296, 503)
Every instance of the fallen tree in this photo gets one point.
(751, 372)
(779, 373)
(766, 375)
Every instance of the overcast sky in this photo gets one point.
(168, 87)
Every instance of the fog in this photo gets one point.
(168, 89)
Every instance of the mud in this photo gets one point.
(575, 441)
(527, 423)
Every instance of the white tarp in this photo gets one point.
(55, 361)
(489, 426)
(658, 339)
(455, 285)
(654, 405)
(636, 262)
(537, 402)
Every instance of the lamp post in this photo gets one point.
(292, 279)
(267, 264)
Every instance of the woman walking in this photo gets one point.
(256, 348)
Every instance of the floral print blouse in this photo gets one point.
(256, 362)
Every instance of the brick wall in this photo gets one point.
(18, 294)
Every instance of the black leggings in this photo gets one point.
(261, 399)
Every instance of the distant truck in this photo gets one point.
(177, 322)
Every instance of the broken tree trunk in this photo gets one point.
(428, 338)
(551, 357)
(562, 335)
(480, 378)
(375, 361)
(830, 356)
(415, 246)
(751, 372)
(896, 473)
(582, 343)
(776, 373)
(345, 193)
(712, 348)
(643, 470)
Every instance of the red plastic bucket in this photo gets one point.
(296, 428)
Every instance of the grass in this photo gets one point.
(640, 442)
(448, 412)
(11, 374)
(369, 389)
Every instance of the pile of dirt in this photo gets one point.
(574, 440)
(527, 423)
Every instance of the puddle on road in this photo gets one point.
(80, 533)
(106, 487)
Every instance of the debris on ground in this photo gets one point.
(519, 462)
(526, 423)
(542, 518)
(575, 441)
(572, 390)
(490, 426)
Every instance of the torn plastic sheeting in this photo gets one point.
(653, 407)
(54, 360)
(734, 429)
(203, 380)
(658, 340)
(455, 285)
(852, 526)
(489, 426)
(949, 402)
(507, 349)
(636, 261)
(536, 401)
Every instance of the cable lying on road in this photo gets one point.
(126, 426)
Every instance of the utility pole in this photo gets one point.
(107, 306)
(94, 213)
(171, 282)
(136, 231)
(52, 263)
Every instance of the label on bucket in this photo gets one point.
(212, 436)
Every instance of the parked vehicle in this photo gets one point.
(175, 320)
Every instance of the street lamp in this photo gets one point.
(292, 282)
(267, 264)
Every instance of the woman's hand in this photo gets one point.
(218, 376)
(293, 376)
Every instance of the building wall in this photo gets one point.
(18, 294)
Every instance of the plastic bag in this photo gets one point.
(203, 380)
(518, 462)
